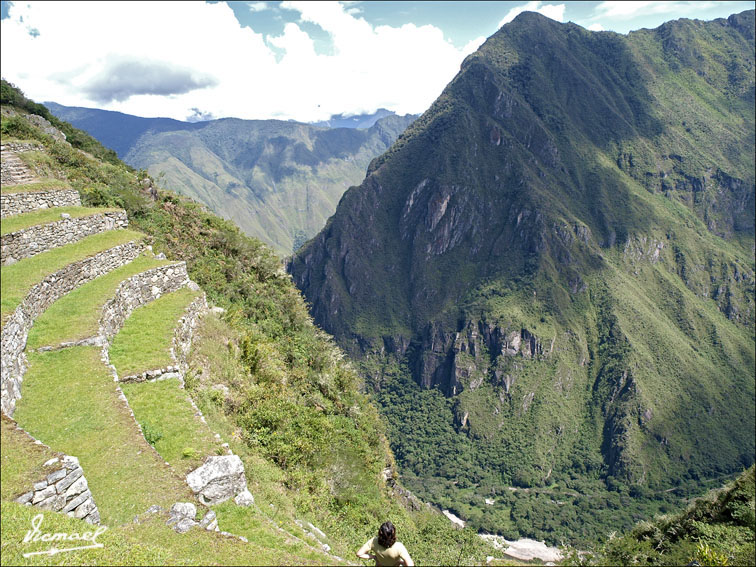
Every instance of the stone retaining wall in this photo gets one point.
(181, 344)
(36, 239)
(138, 290)
(64, 489)
(39, 298)
(184, 332)
(26, 201)
(21, 146)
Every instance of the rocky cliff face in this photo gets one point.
(563, 245)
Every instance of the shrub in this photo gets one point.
(151, 434)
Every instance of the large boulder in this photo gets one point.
(219, 479)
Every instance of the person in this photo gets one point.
(385, 549)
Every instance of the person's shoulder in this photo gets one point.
(400, 546)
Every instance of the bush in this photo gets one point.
(151, 434)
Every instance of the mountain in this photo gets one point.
(115, 130)
(549, 277)
(257, 381)
(279, 181)
(717, 529)
(355, 121)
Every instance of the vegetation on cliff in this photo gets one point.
(551, 274)
(717, 529)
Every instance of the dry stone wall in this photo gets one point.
(64, 489)
(26, 201)
(39, 298)
(138, 290)
(184, 333)
(20, 147)
(36, 239)
(182, 343)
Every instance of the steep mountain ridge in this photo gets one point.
(563, 246)
(278, 180)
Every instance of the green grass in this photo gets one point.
(18, 278)
(149, 542)
(163, 408)
(22, 461)
(70, 403)
(76, 315)
(42, 185)
(144, 342)
(43, 216)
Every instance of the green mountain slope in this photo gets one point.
(717, 529)
(274, 386)
(279, 181)
(549, 277)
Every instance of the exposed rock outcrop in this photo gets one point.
(218, 479)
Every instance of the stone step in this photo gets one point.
(40, 238)
(13, 171)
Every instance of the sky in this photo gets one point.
(286, 60)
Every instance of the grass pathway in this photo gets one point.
(48, 184)
(145, 340)
(168, 420)
(16, 280)
(70, 403)
(44, 216)
(76, 315)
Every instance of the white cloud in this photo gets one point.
(631, 8)
(596, 27)
(472, 45)
(629, 14)
(225, 69)
(553, 11)
(257, 6)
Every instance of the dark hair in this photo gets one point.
(387, 534)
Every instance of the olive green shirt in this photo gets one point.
(389, 556)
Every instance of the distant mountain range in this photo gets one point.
(356, 121)
(278, 180)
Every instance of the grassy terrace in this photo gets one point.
(167, 418)
(22, 461)
(76, 315)
(41, 185)
(17, 279)
(44, 216)
(70, 403)
(144, 342)
(150, 542)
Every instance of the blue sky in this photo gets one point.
(286, 60)
(464, 21)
